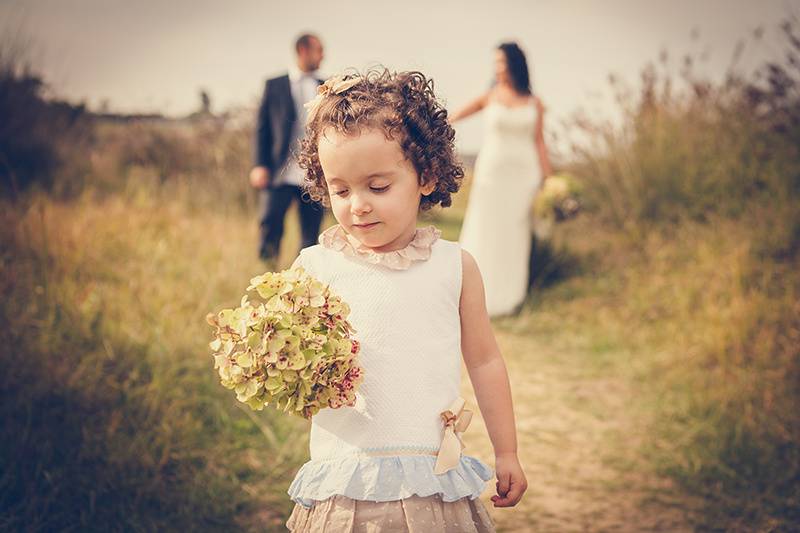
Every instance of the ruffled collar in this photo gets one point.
(419, 249)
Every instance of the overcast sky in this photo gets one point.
(154, 55)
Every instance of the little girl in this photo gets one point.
(378, 150)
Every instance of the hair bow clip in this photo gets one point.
(333, 85)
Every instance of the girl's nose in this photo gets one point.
(359, 205)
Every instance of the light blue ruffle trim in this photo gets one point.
(381, 479)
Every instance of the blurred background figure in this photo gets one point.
(280, 126)
(510, 168)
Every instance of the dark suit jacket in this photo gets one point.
(276, 118)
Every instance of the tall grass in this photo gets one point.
(38, 135)
(112, 417)
(702, 182)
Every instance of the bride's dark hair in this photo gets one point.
(517, 67)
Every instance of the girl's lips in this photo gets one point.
(366, 226)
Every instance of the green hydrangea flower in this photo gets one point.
(558, 191)
(291, 347)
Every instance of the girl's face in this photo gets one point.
(374, 190)
(501, 67)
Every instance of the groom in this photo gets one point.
(280, 126)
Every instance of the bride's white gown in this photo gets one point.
(496, 229)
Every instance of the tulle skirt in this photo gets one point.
(415, 514)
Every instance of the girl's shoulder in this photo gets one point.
(446, 265)
(312, 251)
(312, 257)
(449, 247)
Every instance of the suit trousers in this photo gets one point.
(275, 202)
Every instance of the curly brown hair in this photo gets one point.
(404, 107)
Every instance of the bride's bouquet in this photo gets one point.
(291, 347)
(557, 201)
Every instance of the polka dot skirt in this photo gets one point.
(409, 515)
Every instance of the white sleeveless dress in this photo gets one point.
(496, 229)
(405, 311)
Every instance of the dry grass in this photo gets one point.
(655, 376)
(104, 306)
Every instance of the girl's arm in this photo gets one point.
(489, 377)
(471, 108)
(541, 147)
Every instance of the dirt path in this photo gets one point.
(578, 446)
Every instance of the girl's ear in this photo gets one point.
(428, 187)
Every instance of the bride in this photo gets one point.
(509, 170)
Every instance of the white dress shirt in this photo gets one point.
(304, 88)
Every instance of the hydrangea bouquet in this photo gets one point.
(291, 348)
(557, 201)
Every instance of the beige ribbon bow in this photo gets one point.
(333, 85)
(456, 420)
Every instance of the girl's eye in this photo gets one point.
(379, 189)
(340, 193)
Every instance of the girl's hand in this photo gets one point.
(511, 482)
